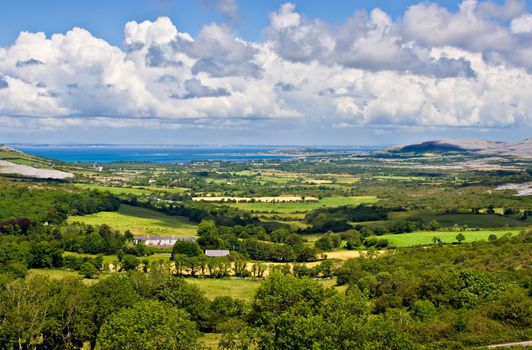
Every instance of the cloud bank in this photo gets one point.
(428, 68)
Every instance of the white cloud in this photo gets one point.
(429, 68)
(522, 24)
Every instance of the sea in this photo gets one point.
(167, 154)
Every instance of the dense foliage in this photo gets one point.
(42, 202)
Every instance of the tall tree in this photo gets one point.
(149, 325)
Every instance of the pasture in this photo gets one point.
(425, 237)
(136, 190)
(478, 220)
(239, 288)
(58, 274)
(216, 287)
(140, 221)
(302, 207)
(255, 199)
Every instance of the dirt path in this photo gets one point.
(506, 345)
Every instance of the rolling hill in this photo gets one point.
(522, 149)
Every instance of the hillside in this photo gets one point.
(15, 162)
(521, 149)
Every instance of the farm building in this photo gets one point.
(163, 241)
(216, 252)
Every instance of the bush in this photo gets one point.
(87, 270)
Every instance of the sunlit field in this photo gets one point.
(140, 221)
(426, 237)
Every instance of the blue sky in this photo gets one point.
(264, 72)
(106, 18)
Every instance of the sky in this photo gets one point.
(264, 72)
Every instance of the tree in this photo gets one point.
(512, 307)
(130, 262)
(299, 313)
(186, 248)
(69, 322)
(23, 309)
(423, 310)
(460, 237)
(87, 270)
(109, 296)
(224, 308)
(178, 293)
(45, 254)
(149, 325)
(207, 227)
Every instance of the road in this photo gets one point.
(506, 345)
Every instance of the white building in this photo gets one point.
(163, 241)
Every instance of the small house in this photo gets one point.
(162, 241)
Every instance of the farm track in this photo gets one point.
(507, 345)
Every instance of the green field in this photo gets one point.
(55, 274)
(235, 288)
(114, 190)
(138, 191)
(295, 207)
(239, 288)
(476, 220)
(109, 259)
(140, 221)
(25, 159)
(425, 237)
(399, 178)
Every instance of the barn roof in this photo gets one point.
(216, 252)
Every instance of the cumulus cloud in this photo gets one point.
(196, 89)
(430, 67)
(522, 24)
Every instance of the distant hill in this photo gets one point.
(15, 162)
(521, 149)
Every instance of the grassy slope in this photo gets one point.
(24, 159)
(425, 237)
(293, 207)
(140, 221)
(139, 191)
(472, 220)
(114, 190)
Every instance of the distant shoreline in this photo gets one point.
(179, 154)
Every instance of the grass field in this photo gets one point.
(109, 259)
(140, 221)
(425, 237)
(57, 274)
(138, 191)
(25, 159)
(177, 190)
(399, 178)
(294, 207)
(473, 220)
(235, 288)
(239, 288)
(254, 199)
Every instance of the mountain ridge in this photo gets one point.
(522, 149)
